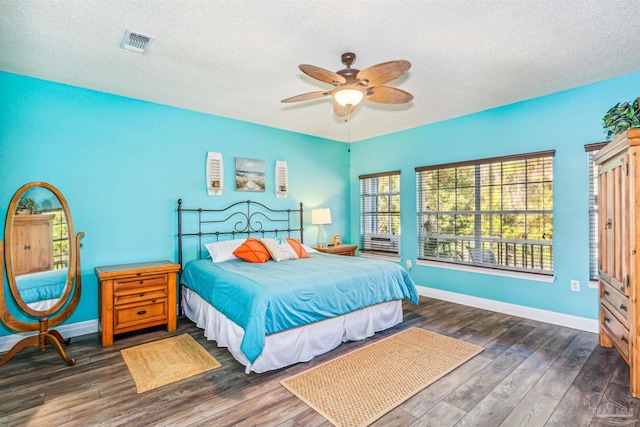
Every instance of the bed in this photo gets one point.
(276, 313)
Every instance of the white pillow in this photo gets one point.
(279, 249)
(223, 251)
(309, 249)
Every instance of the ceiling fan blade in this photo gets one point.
(386, 72)
(322, 74)
(307, 96)
(343, 111)
(388, 95)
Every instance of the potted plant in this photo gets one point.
(621, 117)
(27, 205)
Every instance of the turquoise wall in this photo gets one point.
(122, 164)
(564, 122)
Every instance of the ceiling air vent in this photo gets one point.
(136, 42)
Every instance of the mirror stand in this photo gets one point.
(42, 262)
(45, 336)
(42, 340)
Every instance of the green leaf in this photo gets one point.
(624, 125)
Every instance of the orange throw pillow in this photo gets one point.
(252, 250)
(297, 247)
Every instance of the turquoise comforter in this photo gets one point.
(42, 286)
(272, 297)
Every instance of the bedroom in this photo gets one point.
(122, 163)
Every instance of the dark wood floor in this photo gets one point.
(530, 374)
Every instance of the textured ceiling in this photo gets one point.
(238, 59)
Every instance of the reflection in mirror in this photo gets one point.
(41, 249)
(43, 267)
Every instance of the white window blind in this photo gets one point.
(495, 213)
(380, 213)
(591, 150)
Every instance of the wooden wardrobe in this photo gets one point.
(33, 243)
(619, 232)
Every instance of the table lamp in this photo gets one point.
(320, 217)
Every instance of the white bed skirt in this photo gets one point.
(295, 345)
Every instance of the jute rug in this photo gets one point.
(165, 361)
(359, 387)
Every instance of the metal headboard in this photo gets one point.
(245, 218)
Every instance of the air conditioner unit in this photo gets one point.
(381, 242)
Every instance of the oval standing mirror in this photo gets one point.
(39, 249)
(42, 263)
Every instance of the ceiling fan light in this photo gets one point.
(348, 96)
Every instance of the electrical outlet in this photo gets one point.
(575, 285)
(408, 264)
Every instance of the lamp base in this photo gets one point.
(322, 239)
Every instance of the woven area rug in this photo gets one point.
(165, 361)
(359, 387)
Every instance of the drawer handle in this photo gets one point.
(622, 289)
(141, 312)
(623, 307)
(141, 282)
(624, 339)
(606, 319)
(142, 294)
(606, 293)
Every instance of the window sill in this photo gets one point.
(489, 271)
(384, 257)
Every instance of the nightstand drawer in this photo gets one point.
(138, 295)
(140, 281)
(133, 315)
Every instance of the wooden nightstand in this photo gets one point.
(346, 250)
(136, 296)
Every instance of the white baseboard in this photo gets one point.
(560, 319)
(67, 331)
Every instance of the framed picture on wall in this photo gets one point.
(249, 174)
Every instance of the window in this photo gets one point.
(591, 150)
(380, 213)
(495, 213)
(60, 239)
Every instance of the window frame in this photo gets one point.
(389, 242)
(477, 250)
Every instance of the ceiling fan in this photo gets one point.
(353, 85)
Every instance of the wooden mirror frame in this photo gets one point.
(10, 256)
(67, 302)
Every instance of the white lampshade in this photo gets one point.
(321, 216)
(348, 96)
